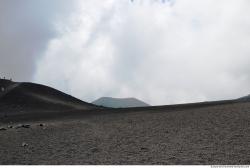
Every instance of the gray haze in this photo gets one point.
(173, 52)
(25, 30)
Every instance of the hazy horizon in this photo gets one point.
(161, 52)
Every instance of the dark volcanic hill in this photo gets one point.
(21, 97)
(119, 102)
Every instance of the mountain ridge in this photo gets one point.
(119, 102)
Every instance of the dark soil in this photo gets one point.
(201, 133)
(209, 135)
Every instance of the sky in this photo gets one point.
(162, 52)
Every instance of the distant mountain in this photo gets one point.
(119, 102)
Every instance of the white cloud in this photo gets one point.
(25, 29)
(162, 53)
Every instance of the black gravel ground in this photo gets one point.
(209, 134)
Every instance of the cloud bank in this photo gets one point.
(162, 52)
(25, 29)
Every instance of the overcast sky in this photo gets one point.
(162, 52)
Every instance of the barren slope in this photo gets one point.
(216, 134)
(45, 126)
(19, 98)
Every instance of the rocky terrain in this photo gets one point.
(64, 133)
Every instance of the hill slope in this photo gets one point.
(197, 133)
(208, 134)
(119, 102)
(17, 97)
(245, 98)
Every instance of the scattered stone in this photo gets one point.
(24, 144)
(3, 129)
(23, 126)
(2, 89)
(10, 126)
(26, 126)
(173, 158)
(94, 150)
(18, 126)
(143, 148)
